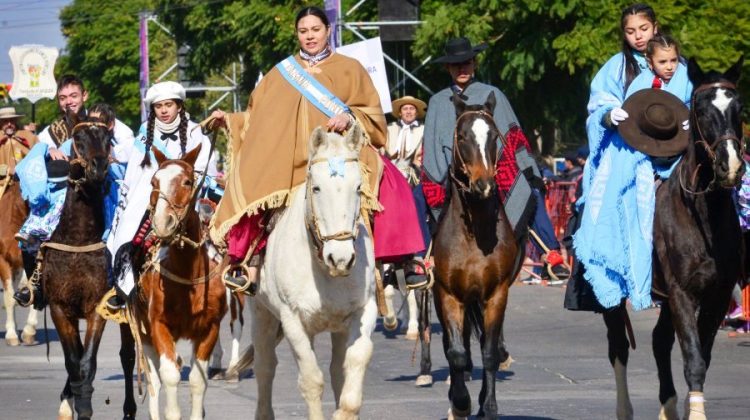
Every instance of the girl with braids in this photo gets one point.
(170, 130)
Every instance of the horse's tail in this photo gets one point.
(474, 319)
(246, 360)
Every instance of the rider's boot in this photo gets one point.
(244, 278)
(415, 273)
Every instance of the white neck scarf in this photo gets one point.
(407, 142)
(168, 127)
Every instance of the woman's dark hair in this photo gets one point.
(105, 111)
(182, 130)
(661, 41)
(631, 65)
(314, 11)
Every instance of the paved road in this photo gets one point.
(561, 372)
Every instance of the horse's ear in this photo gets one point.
(191, 156)
(317, 139)
(734, 72)
(354, 138)
(160, 158)
(695, 74)
(489, 104)
(459, 104)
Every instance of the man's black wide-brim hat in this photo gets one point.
(458, 50)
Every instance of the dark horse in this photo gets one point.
(74, 273)
(698, 247)
(476, 258)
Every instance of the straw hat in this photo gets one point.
(458, 50)
(398, 103)
(8, 112)
(655, 123)
(163, 91)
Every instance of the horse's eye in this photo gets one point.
(187, 183)
(316, 189)
(359, 188)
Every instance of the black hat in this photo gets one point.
(654, 125)
(458, 50)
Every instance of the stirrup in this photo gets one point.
(24, 303)
(246, 288)
(423, 283)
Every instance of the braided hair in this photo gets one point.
(631, 65)
(149, 138)
(183, 130)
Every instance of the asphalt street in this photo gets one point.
(561, 372)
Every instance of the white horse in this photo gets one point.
(319, 276)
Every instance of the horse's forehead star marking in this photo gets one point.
(165, 175)
(721, 101)
(481, 130)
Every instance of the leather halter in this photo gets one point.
(312, 222)
(180, 211)
(78, 160)
(709, 148)
(456, 153)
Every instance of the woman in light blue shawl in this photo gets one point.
(614, 240)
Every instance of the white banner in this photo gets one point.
(370, 54)
(33, 72)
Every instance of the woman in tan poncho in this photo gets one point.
(269, 143)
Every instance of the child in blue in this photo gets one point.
(614, 242)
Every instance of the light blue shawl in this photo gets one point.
(615, 239)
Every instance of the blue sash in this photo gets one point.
(310, 88)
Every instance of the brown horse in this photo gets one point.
(476, 258)
(13, 212)
(180, 292)
(698, 247)
(74, 273)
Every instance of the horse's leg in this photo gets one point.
(412, 331)
(152, 358)
(67, 331)
(265, 329)
(390, 321)
(336, 369)
(358, 355)
(451, 314)
(618, 358)
(694, 367)
(11, 336)
(214, 371)
(425, 336)
(469, 369)
(169, 370)
(199, 370)
(94, 330)
(127, 360)
(236, 324)
(493, 349)
(662, 341)
(28, 335)
(310, 381)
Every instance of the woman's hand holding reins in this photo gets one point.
(219, 121)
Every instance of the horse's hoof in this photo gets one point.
(668, 410)
(454, 414)
(506, 364)
(695, 406)
(64, 417)
(232, 376)
(12, 341)
(390, 324)
(29, 339)
(423, 380)
(412, 335)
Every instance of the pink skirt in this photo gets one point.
(396, 228)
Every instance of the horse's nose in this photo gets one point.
(483, 188)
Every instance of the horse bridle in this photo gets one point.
(463, 187)
(709, 148)
(78, 160)
(180, 212)
(312, 222)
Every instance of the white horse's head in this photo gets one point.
(332, 201)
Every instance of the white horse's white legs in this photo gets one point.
(11, 336)
(355, 363)
(169, 373)
(624, 408)
(339, 342)
(265, 327)
(153, 368)
(412, 332)
(310, 381)
(198, 383)
(390, 322)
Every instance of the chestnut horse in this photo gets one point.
(698, 247)
(180, 292)
(13, 212)
(476, 258)
(74, 273)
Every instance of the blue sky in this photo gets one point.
(28, 22)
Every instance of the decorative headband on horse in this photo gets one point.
(310, 88)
